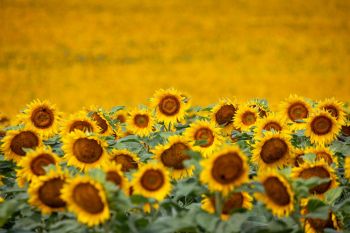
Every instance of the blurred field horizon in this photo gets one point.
(108, 53)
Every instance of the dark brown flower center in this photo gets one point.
(321, 125)
(273, 150)
(39, 162)
(332, 110)
(114, 177)
(24, 139)
(102, 123)
(152, 180)
(317, 171)
(227, 168)
(141, 120)
(276, 191)
(323, 155)
(272, 126)
(319, 224)
(175, 155)
(81, 125)
(224, 116)
(126, 161)
(248, 118)
(87, 197)
(235, 201)
(204, 134)
(346, 130)
(297, 111)
(49, 193)
(121, 118)
(42, 117)
(169, 105)
(87, 150)
(298, 160)
(4, 120)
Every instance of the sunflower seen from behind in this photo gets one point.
(278, 195)
(45, 192)
(41, 116)
(140, 122)
(152, 181)
(33, 164)
(87, 199)
(272, 151)
(234, 201)
(225, 170)
(169, 105)
(16, 140)
(84, 150)
(206, 132)
(173, 155)
(322, 128)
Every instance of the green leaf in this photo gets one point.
(116, 109)
(314, 204)
(333, 194)
(207, 221)
(236, 221)
(7, 209)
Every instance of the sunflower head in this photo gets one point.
(335, 108)
(121, 116)
(84, 150)
(16, 140)
(115, 175)
(278, 196)
(295, 109)
(321, 127)
(41, 116)
(318, 169)
(273, 150)
(79, 121)
(208, 133)
(87, 199)
(101, 121)
(324, 153)
(127, 159)
(44, 192)
(245, 118)
(169, 105)
(173, 154)
(223, 114)
(140, 122)
(33, 164)
(225, 170)
(234, 201)
(272, 122)
(152, 181)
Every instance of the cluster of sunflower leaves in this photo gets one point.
(191, 196)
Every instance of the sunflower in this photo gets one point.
(207, 132)
(32, 165)
(245, 118)
(41, 116)
(295, 109)
(126, 158)
(169, 105)
(101, 121)
(324, 153)
(298, 154)
(147, 207)
(4, 120)
(225, 170)
(278, 196)
(44, 192)
(224, 113)
(347, 167)
(121, 116)
(173, 154)
(316, 169)
(87, 199)
(16, 140)
(273, 150)
(115, 175)
(152, 181)
(272, 122)
(335, 108)
(140, 122)
(315, 225)
(235, 200)
(84, 150)
(322, 128)
(79, 121)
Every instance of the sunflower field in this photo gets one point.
(169, 166)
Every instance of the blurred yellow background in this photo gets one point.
(78, 53)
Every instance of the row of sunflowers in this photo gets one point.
(174, 167)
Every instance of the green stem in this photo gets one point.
(218, 203)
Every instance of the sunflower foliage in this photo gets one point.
(172, 167)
